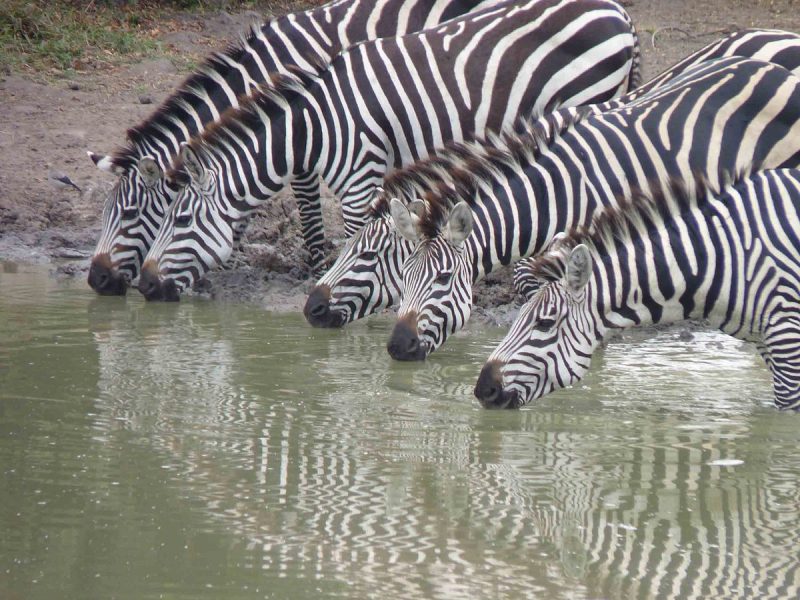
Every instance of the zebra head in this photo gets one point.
(367, 275)
(437, 277)
(550, 344)
(132, 214)
(196, 235)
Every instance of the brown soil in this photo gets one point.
(47, 126)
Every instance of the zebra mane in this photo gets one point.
(248, 115)
(640, 211)
(216, 65)
(456, 171)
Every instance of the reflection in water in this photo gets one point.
(253, 452)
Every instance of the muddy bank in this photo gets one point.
(46, 126)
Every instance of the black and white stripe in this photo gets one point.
(384, 104)
(367, 275)
(730, 258)
(719, 117)
(136, 206)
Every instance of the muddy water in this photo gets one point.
(204, 450)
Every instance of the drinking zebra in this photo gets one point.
(367, 275)
(497, 206)
(136, 205)
(381, 105)
(731, 258)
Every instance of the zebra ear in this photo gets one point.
(579, 268)
(417, 209)
(459, 225)
(149, 170)
(104, 163)
(191, 163)
(404, 220)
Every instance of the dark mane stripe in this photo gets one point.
(248, 115)
(456, 171)
(219, 64)
(625, 220)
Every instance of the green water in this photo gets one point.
(207, 450)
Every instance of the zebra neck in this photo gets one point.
(522, 202)
(266, 149)
(663, 276)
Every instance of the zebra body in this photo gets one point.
(367, 275)
(379, 106)
(135, 208)
(731, 258)
(722, 116)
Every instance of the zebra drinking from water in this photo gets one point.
(367, 275)
(379, 106)
(721, 116)
(731, 258)
(135, 208)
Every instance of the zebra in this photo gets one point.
(136, 205)
(366, 276)
(380, 105)
(497, 206)
(731, 258)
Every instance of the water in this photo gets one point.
(204, 450)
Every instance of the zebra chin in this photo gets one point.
(489, 389)
(317, 309)
(153, 288)
(105, 279)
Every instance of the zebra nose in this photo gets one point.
(104, 279)
(152, 288)
(317, 309)
(404, 344)
(489, 389)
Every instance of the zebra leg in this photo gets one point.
(780, 349)
(309, 204)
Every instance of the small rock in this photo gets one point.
(145, 99)
(74, 85)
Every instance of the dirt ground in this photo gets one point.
(51, 126)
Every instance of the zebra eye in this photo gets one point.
(443, 277)
(544, 324)
(130, 213)
(183, 219)
(369, 255)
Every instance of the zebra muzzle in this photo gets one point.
(317, 309)
(104, 279)
(489, 388)
(404, 343)
(153, 288)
